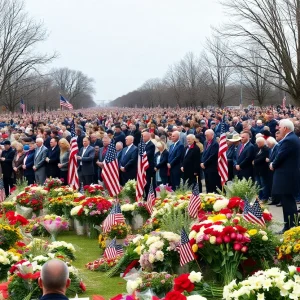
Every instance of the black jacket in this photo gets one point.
(190, 161)
(6, 165)
(261, 167)
(52, 169)
(162, 166)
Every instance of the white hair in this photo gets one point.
(119, 143)
(258, 135)
(271, 140)
(287, 123)
(39, 140)
(191, 136)
(210, 131)
(260, 139)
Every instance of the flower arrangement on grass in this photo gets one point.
(62, 248)
(7, 258)
(221, 244)
(103, 264)
(9, 235)
(54, 224)
(269, 284)
(129, 190)
(35, 228)
(52, 183)
(289, 249)
(94, 190)
(157, 284)
(7, 205)
(33, 200)
(14, 218)
(163, 191)
(34, 188)
(118, 231)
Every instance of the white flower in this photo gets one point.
(292, 269)
(156, 245)
(220, 204)
(75, 210)
(195, 277)
(152, 239)
(159, 256)
(132, 285)
(195, 297)
(264, 238)
(192, 234)
(151, 258)
(128, 207)
(137, 239)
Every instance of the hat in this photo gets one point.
(6, 143)
(26, 147)
(234, 138)
(4, 136)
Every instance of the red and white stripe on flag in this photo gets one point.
(143, 165)
(222, 159)
(73, 179)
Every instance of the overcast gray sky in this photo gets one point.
(122, 43)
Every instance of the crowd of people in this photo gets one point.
(180, 144)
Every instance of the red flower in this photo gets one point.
(82, 286)
(267, 216)
(240, 229)
(174, 295)
(182, 283)
(225, 211)
(29, 275)
(234, 202)
(298, 269)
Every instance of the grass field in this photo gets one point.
(97, 283)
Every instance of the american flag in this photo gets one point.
(73, 179)
(194, 202)
(150, 199)
(143, 165)
(64, 102)
(110, 171)
(113, 250)
(222, 158)
(115, 216)
(254, 213)
(185, 249)
(22, 105)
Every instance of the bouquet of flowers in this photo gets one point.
(118, 231)
(15, 219)
(127, 211)
(33, 188)
(129, 190)
(269, 284)
(61, 205)
(103, 264)
(94, 190)
(156, 283)
(31, 199)
(54, 224)
(163, 191)
(212, 202)
(52, 183)
(221, 244)
(7, 205)
(9, 235)
(289, 249)
(62, 248)
(7, 258)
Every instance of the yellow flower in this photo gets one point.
(195, 248)
(217, 218)
(252, 232)
(297, 248)
(288, 250)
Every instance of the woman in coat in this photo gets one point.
(160, 164)
(28, 163)
(18, 162)
(64, 159)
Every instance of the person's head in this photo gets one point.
(119, 146)
(106, 141)
(278, 136)
(285, 126)
(132, 127)
(175, 136)
(190, 139)
(245, 137)
(54, 133)
(231, 129)
(129, 140)
(93, 137)
(19, 147)
(271, 142)
(39, 142)
(246, 125)
(64, 144)
(235, 120)
(54, 277)
(86, 142)
(110, 133)
(118, 129)
(259, 123)
(124, 127)
(53, 142)
(260, 142)
(161, 146)
(146, 136)
(31, 145)
(209, 135)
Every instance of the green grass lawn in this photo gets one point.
(97, 283)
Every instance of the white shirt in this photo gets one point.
(128, 147)
(83, 151)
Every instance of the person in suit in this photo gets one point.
(95, 141)
(54, 280)
(7, 157)
(63, 164)
(273, 148)
(18, 162)
(85, 160)
(119, 135)
(53, 159)
(150, 151)
(209, 162)
(160, 164)
(128, 161)
(261, 168)
(286, 167)
(175, 153)
(233, 142)
(39, 162)
(102, 152)
(28, 162)
(244, 156)
(135, 133)
(190, 161)
(238, 127)
(119, 149)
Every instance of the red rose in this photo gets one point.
(182, 283)
(82, 286)
(174, 295)
(298, 269)
(267, 216)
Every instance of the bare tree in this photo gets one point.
(73, 84)
(218, 70)
(273, 25)
(19, 36)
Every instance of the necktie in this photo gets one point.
(241, 149)
(207, 145)
(104, 151)
(187, 150)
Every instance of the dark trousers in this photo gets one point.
(86, 179)
(263, 182)
(8, 183)
(289, 209)
(189, 178)
(175, 176)
(30, 179)
(212, 181)
(64, 176)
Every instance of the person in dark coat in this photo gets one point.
(150, 151)
(18, 162)
(261, 168)
(190, 161)
(175, 153)
(95, 141)
(28, 162)
(102, 153)
(53, 159)
(273, 148)
(160, 164)
(119, 135)
(272, 124)
(128, 161)
(238, 126)
(233, 142)
(7, 157)
(209, 162)
(80, 136)
(286, 166)
(244, 157)
(135, 133)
